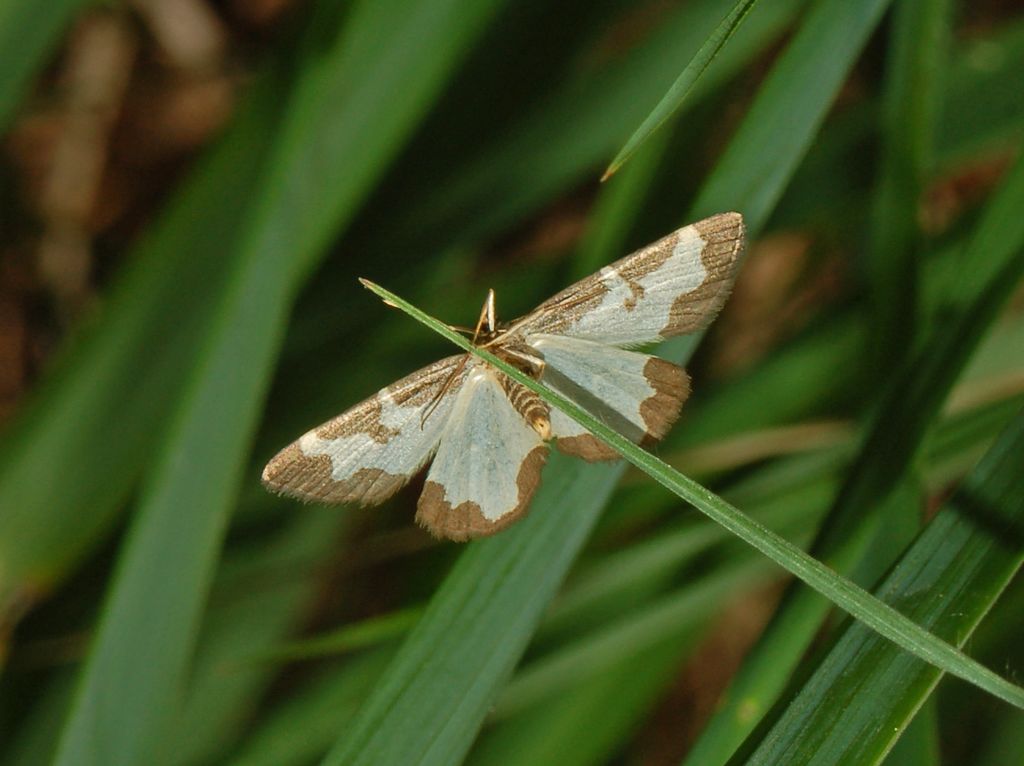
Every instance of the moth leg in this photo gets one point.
(429, 409)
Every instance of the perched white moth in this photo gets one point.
(486, 432)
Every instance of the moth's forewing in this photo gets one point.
(369, 452)
(674, 286)
(671, 287)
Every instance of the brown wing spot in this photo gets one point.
(637, 265)
(308, 477)
(366, 421)
(636, 291)
(465, 521)
(723, 243)
(586, 446)
(671, 386)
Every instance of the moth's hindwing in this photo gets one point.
(369, 452)
(635, 394)
(487, 466)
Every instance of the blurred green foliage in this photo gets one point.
(428, 145)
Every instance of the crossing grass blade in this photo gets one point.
(877, 615)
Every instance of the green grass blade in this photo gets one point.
(673, 99)
(338, 138)
(877, 615)
(240, 620)
(100, 412)
(918, 49)
(428, 706)
(624, 639)
(300, 729)
(587, 725)
(786, 118)
(865, 692)
(28, 34)
(909, 406)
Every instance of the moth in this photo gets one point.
(487, 434)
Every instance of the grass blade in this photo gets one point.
(909, 406)
(785, 117)
(911, 103)
(680, 89)
(339, 135)
(877, 615)
(866, 691)
(101, 411)
(474, 631)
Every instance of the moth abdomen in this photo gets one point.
(529, 405)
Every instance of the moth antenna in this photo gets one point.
(486, 316)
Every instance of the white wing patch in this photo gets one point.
(487, 466)
(635, 394)
(369, 452)
(672, 287)
(645, 298)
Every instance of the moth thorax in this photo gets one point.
(529, 405)
(524, 358)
